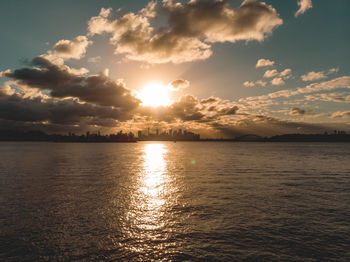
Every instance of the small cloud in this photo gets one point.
(75, 48)
(252, 84)
(313, 76)
(304, 5)
(4, 73)
(286, 72)
(80, 71)
(278, 81)
(296, 111)
(249, 84)
(264, 62)
(270, 73)
(261, 83)
(94, 59)
(333, 70)
(179, 84)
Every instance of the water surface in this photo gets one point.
(168, 201)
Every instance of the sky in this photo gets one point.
(218, 68)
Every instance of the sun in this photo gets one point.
(155, 94)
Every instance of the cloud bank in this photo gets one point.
(61, 82)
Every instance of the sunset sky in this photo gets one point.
(219, 68)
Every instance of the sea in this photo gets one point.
(166, 201)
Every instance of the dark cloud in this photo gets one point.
(61, 83)
(209, 100)
(48, 111)
(216, 21)
(186, 109)
(296, 111)
(180, 83)
(229, 110)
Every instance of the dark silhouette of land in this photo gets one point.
(8, 135)
(177, 135)
(337, 136)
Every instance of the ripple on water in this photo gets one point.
(167, 201)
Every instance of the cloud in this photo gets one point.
(337, 83)
(313, 76)
(278, 81)
(4, 73)
(270, 73)
(296, 111)
(61, 83)
(249, 84)
(252, 84)
(261, 83)
(210, 100)
(304, 5)
(208, 116)
(285, 74)
(186, 109)
(329, 97)
(94, 59)
(17, 107)
(75, 48)
(264, 62)
(340, 114)
(266, 126)
(333, 70)
(180, 83)
(191, 29)
(189, 109)
(6, 89)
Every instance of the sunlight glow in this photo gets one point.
(155, 94)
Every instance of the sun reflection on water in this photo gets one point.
(153, 186)
(149, 214)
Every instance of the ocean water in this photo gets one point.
(185, 201)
